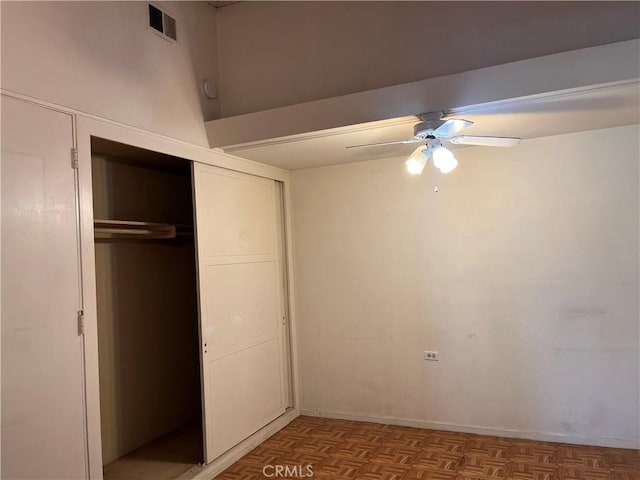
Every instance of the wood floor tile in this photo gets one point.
(580, 473)
(446, 443)
(438, 460)
(492, 448)
(264, 455)
(366, 435)
(339, 468)
(317, 445)
(347, 450)
(394, 455)
(339, 432)
(532, 453)
(411, 438)
(303, 458)
(579, 458)
(355, 450)
(383, 471)
(427, 474)
(624, 475)
(532, 471)
(286, 442)
(623, 460)
(484, 467)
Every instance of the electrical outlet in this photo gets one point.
(432, 355)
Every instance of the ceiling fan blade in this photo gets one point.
(485, 141)
(412, 140)
(451, 127)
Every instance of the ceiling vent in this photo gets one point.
(161, 23)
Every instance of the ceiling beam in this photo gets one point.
(577, 69)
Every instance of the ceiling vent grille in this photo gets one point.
(161, 23)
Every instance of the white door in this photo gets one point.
(42, 375)
(241, 305)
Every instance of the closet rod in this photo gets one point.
(138, 230)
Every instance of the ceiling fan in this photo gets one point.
(431, 132)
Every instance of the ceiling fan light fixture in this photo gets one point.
(433, 130)
(444, 160)
(416, 162)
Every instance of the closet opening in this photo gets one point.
(147, 305)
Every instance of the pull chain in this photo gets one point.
(435, 177)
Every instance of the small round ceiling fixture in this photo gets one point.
(210, 89)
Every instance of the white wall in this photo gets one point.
(522, 272)
(274, 54)
(99, 58)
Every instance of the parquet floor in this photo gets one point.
(346, 450)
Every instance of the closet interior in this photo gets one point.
(149, 362)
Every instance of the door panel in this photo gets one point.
(241, 309)
(241, 320)
(246, 392)
(240, 214)
(42, 374)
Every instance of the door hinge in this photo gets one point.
(74, 158)
(81, 324)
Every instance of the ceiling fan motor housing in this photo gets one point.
(425, 129)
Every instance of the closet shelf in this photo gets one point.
(139, 230)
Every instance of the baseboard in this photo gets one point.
(207, 472)
(452, 427)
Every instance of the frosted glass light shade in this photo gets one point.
(416, 162)
(444, 159)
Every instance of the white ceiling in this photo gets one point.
(532, 117)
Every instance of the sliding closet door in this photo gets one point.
(241, 306)
(42, 376)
